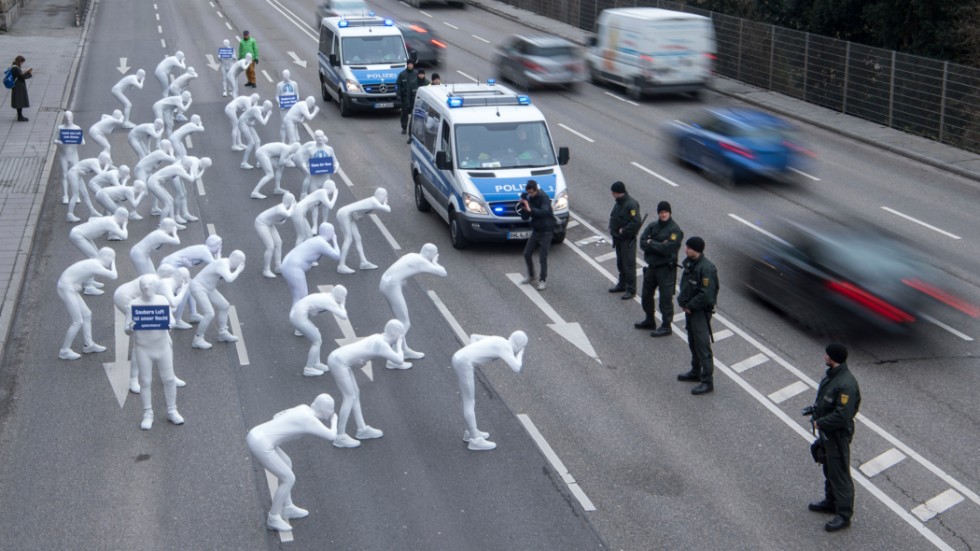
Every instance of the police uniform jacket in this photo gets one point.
(699, 285)
(541, 216)
(626, 215)
(408, 85)
(660, 242)
(838, 400)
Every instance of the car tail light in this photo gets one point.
(532, 66)
(876, 305)
(437, 44)
(942, 296)
(711, 56)
(737, 149)
(797, 148)
(418, 29)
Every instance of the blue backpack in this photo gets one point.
(8, 78)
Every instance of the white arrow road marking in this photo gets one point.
(348, 331)
(297, 60)
(570, 331)
(212, 63)
(123, 68)
(118, 370)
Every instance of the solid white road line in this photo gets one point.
(273, 483)
(801, 173)
(343, 176)
(577, 133)
(481, 39)
(749, 363)
(881, 463)
(571, 224)
(240, 344)
(920, 222)
(450, 25)
(309, 130)
(467, 76)
(758, 229)
(654, 174)
(937, 505)
(624, 100)
(461, 335)
(211, 230)
(555, 462)
(788, 392)
(384, 231)
(942, 325)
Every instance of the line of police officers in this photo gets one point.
(838, 395)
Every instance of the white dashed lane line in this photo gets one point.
(481, 38)
(577, 133)
(464, 75)
(804, 174)
(624, 100)
(450, 25)
(920, 222)
(654, 174)
(768, 234)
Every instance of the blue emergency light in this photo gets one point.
(498, 210)
(343, 23)
(454, 101)
(523, 100)
(491, 81)
(389, 22)
(370, 14)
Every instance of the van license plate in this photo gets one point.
(387, 105)
(519, 235)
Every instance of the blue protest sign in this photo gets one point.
(321, 163)
(226, 53)
(287, 100)
(70, 136)
(150, 317)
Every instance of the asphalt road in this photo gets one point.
(664, 470)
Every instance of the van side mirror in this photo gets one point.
(563, 155)
(442, 161)
(592, 41)
(334, 62)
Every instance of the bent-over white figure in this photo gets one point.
(303, 256)
(155, 186)
(265, 441)
(300, 111)
(246, 128)
(165, 234)
(347, 218)
(236, 70)
(482, 350)
(271, 158)
(161, 156)
(177, 138)
(300, 316)
(107, 178)
(91, 165)
(84, 235)
(106, 125)
(189, 257)
(204, 289)
(144, 138)
(265, 226)
(110, 198)
(233, 110)
(169, 64)
(344, 360)
(196, 168)
(300, 214)
(180, 83)
(67, 153)
(69, 289)
(395, 277)
(167, 108)
(119, 90)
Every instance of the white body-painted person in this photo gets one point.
(107, 178)
(236, 70)
(395, 277)
(272, 158)
(204, 289)
(169, 64)
(303, 256)
(284, 89)
(165, 234)
(161, 156)
(313, 182)
(84, 235)
(265, 442)
(300, 111)
(300, 316)
(76, 184)
(265, 226)
(67, 153)
(110, 198)
(246, 127)
(481, 351)
(187, 258)
(181, 83)
(196, 168)
(233, 110)
(168, 107)
(69, 290)
(154, 347)
(155, 185)
(177, 138)
(347, 218)
(226, 63)
(119, 90)
(344, 360)
(104, 127)
(144, 138)
(300, 216)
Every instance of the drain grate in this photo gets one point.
(20, 174)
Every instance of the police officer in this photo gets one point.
(408, 84)
(838, 400)
(699, 294)
(660, 242)
(624, 225)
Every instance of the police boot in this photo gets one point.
(648, 323)
(822, 506)
(837, 523)
(703, 388)
(663, 331)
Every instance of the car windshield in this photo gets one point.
(504, 145)
(370, 50)
(550, 51)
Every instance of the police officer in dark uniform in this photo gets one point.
(699, 294)
(660, 242)
(838, 401)
(624, 225)
(408, 85)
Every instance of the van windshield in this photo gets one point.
(504, 145)
(372, 50)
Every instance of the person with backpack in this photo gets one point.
(14, 79)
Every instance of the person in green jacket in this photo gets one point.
(248, 45)
(699, 294)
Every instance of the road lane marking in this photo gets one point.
(384, 231)
(937, 505)
(570, 331)
(230, 28)
(881, 463)
(654, 174)
(590, 239)
(467, 76)
(481, 38)
(604, 257)
(556, 463)
(749, 363)
(788, 392)
(427, 14)
(722, 335)
(942, 325)
(240, 343)
(188, 142)
(221, 15)
(211, 230)
(347, 330)
(266, 75)
(577, 133)
(448, 24)
(624, 100)
(157, 15)
(921, 223)
(273, 483)
(801, 173)
(309, 130)
(461, 335)
(343, 176)
(200, 187)
(571, 224)
(770, 235)
(160, 29)
(163, 42)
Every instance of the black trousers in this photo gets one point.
(838, 484)
(698, 326)
(541, 240)
(626, 263)
(406, 111)
(662, 278)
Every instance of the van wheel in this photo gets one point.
(456, 231)
(635, 89)
(420, 201)
(343, 102)
(323, 91)
(558, 238)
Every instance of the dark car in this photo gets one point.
(734, 145)
(340, 8)
(842, 280)
(539, 61)
(422, 43)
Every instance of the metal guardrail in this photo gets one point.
(930, 98)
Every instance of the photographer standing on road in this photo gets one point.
(535, 205)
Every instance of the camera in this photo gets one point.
(808, 411)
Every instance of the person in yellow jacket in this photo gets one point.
(248, 45)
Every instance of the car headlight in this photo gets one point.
(561, 202)
(474, 205)
(354, 86)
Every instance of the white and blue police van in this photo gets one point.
(360, 59)
(474, 147)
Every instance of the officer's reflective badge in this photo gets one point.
(673, 237)
(632, 213)
(706, 281)
(843, 399)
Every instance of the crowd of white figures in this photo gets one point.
(163, 169)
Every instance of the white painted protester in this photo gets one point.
(70, 291)
(304, 256)
(233, 110)
(246, 127)
(287, 94)
(164, 69)
(144, 138)
(112, 197)
(165, 234)
(393, 280)
(300, 111)
(70, 136)
(226, 57)
(347, 218)
(301, 314)
(204, 290)
(265, 226)
(76, 183)
(124, 85)
(167, 109)
(236, 70)
(306, 206)
(105, 126)
(272, 158)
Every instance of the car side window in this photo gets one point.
(444, 144)
(326, 37)
(431, 128)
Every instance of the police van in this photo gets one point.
(359, 59)
(474, 147)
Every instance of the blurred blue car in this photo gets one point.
(735, 145)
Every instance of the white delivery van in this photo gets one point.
(359, 59)
(652, 50)
(474, 147)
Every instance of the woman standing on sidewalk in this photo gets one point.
(18, 98)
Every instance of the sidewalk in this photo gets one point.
(46, 35)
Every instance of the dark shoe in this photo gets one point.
(822, 506)
(690, 376)
(618, 288)
(628, 295)
(646, 324)
(703, 388)
(22, 119)
(404, 131)
(663, 331)
(837, 523)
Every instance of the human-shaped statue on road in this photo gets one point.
(165, 234)
(271, 158)
(70, 291)
(204, 289)
(396, 276)
(119, 90)
(347, 218)
(196, 167)
(84, 235)
(67, 153)
(301, 314)
(303, 256)
(163, 155)
(118, 176)
(177, 138)
(155, 185)
(169, 65)
(265, 226)
(181, 83)
(187, 258)
(246, 127)
(104, 127)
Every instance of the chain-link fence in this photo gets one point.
(922, 96)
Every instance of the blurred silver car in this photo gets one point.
(341, 8)
(539, 61)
